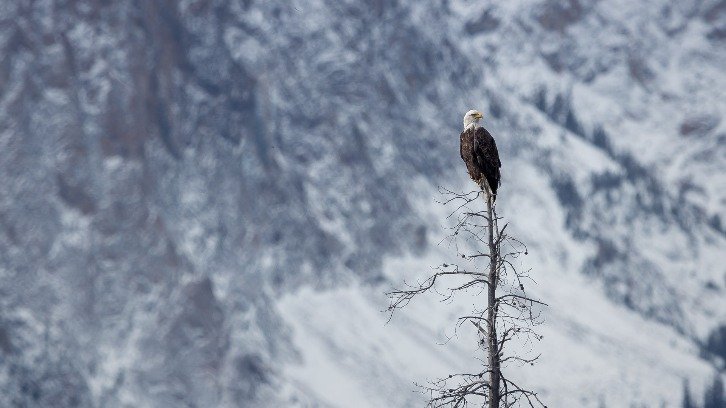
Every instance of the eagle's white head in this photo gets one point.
(472, 118)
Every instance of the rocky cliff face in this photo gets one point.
(172, 169)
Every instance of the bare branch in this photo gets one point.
(507, 315)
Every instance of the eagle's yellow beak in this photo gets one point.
(478, 115)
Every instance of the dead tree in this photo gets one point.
(507, 313)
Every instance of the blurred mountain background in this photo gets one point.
(203, 202)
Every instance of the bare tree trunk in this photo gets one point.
(508, 314)
(492, 339)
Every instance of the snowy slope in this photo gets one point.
(594, 353)
(203, 201)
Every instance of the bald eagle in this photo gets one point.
(479, 152)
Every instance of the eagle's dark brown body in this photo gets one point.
(479, 152)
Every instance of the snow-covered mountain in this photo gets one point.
(204, 201)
